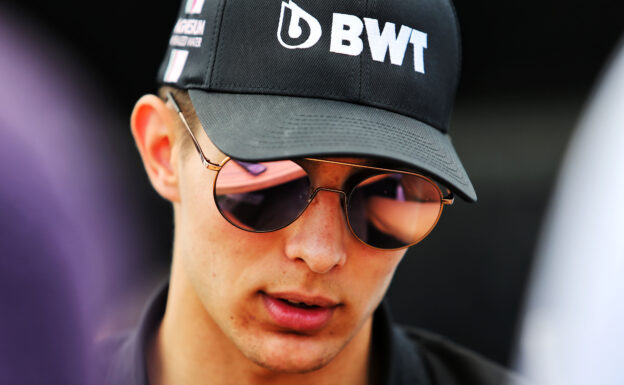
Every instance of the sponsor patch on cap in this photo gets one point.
(193, 6)
(177, 61)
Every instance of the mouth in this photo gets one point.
(298, 312)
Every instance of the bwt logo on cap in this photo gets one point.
(299, 30)
(308, 34)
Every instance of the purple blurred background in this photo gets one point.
(70, 230)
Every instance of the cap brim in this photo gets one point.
(253, 127)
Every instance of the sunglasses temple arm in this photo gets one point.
(449, 200)
(208, 164)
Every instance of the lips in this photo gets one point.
(299, 312)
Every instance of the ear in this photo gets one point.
(153, 128)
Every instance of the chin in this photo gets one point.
(293, 356)
(292, 365)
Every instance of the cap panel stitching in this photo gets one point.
(359, 96)
(438, 157)
(246, 87)
(219, 60)
(459, 52)
(216, 33)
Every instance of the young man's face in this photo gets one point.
(240, 280)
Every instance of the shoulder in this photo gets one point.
(123, 354)
(450, 364)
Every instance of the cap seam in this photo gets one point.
(437, 156)
(362, 59)
(443, 163)
(244, 87)
(403, 112)
(367, 66)
(215, 44)
(217, 60)
(425, 141)
(459, 55)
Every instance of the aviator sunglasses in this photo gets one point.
(385, 209)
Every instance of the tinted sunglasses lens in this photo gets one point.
(391, 211)
(261, 197)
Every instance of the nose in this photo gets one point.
(319, 236)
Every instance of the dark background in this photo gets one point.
(528, 70)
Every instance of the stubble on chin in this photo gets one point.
(284, 363)
(286, 356)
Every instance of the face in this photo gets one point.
(252, 285)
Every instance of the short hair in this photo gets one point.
(183, 100)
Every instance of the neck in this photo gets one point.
(189, 348)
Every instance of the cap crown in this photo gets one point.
(401, 56)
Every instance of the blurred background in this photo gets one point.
(528, 69)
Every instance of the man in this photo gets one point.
(321, 130)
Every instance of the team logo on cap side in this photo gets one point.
(193, 6)
(175, 66)
(303, 30)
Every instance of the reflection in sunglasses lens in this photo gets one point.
(393, 210)
(262, 202)
(386, 211)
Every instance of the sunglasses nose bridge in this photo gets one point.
(318, 189)
(343, 201)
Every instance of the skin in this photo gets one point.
(216, 329)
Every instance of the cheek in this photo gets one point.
(198, 227)
(373, 271)
(221, 259)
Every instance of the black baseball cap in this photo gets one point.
(277, 79)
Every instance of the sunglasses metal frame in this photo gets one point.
(444, 201)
